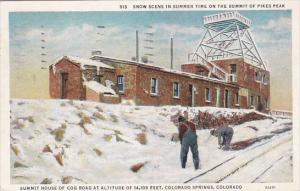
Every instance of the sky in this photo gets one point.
(78, 33)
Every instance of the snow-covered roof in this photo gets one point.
(190, 75)
(84, 61)
(99, 88)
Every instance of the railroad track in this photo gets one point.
(235, 156)
(251, 160)
(267, 169)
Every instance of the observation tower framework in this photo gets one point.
(227, 36)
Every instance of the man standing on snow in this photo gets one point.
(188, 139)
(224, 135)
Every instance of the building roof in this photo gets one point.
(163, 69)
(83, 62)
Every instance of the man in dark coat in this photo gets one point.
(188, 139)
(224, 135)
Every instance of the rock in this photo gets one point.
(98, 115)
(107, 138)
(175, 137)
(86, 131)
(19, 164)
(47, 149)
(97, 151)
(46, 181)
(135, 168)
(63, 125)
(59, 134)
(67, 179)
(99, 109)
(21, 103)
(114, 118)
(118, 132)
(30, 119)
(59, 158)
(84, 118)
(119, 139)
(20, 124)
(15, 149)
(142, 138)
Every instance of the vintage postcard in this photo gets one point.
(150, 95)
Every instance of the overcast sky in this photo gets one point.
(76, 33)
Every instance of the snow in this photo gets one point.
(89, 62)
(99, 88)
(115, 136)
(191, 75)
(83, 62)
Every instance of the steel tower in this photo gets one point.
(227, 36)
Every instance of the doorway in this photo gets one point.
(218, 97)
(64, 85)
(226, 105)
(191, 97)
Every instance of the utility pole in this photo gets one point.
(137, 45)
(171, 53)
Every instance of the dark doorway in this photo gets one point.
(226, 99)
(64, 85)
(258, 100)
(191, 95)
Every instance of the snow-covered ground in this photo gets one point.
(98, 144)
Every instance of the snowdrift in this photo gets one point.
(65, 141)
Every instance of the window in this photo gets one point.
(258, 76)
(265, 79)
(232, 68)
(252, 100)
(233, 75)
(154, 86)
(207, 95)
(267, 103)
(176, 90)
(98, 78)
(120, 80)
(237, 99)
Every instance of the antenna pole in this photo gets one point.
(137, 45)
(171, 53)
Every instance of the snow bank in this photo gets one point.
(98, 143)
(99, 88)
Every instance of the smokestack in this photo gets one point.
(137, 45)
(171, 53)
